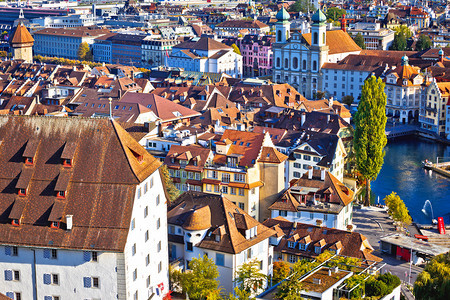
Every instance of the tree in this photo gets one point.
(359, 40)
(249, 278)
(434, 281)
(334, 13)
(375, 287)
(397, 209)
(280, 271)
(302, 6)
(236, 49)
(399, 43)
(240, 295)
(423, 43)
(370, 137)
(171, 190)
(403, 29)
(200, 282)
(348, 100)
(84, 52)
(319, 95)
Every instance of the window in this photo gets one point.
(226, 177)
(158, 223)
(55, 279)
(293, 258)
(282, 213)
(306, 157)
(147, 259)
(158, 247)
(291, 244)
(315, 39)
(133, 249)
(134, 274)
(225, 189)
(241, 192)
(239, 177)
(16, 275)
(233, 191)
(295, 63)
(159, 267)
(220, 259)
(94, 256)
(95, 282)
(316, 159)
(17, 296)
(146, 236)
(146, 212)
(297, 165)
(139, 193)
(157, 200)
(148, 281)
(242, 205)
(145, 188)
(314, 65)
(133, 224)
(286, 63)
(54, 254)
(189, 247)
(297, 174)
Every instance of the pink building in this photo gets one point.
(256, 51)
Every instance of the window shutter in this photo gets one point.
(8, 250)
(48, 298)
(8, 275)
(87, 282)
(46, 253)
(47, 279)
(10, 295)
(87, 256)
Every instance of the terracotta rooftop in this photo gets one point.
(242, 24)
(21, 35)
(204, 43)
(338, 41)
(100, 185)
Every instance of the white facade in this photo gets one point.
(330, 220)
(339, 83)
(44, 273)
(67, 21)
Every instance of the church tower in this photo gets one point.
(22, 44)
(318, 29)
(282, 26)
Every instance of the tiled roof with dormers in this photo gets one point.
(227, 220)
(100, 184)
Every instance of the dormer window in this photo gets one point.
(54, 224)
(291, 244)
(172, 160)
(29, 161)
(195, 163)
(61, 194)
(217, 238)
(67, 162)
(22, 192)
(15, 222)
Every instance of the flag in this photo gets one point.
(167, 53)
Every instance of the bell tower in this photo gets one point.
(22, 44)
(282, 26)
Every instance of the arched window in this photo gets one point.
(279, 36)
(314, 65)
(304, 64)
(315, 38)
(295, 63)
(278, 62)
(324, 37)
(286, 63)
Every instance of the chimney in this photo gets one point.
(328, 119)
(322, 175)
(330, 102)
(310, 174)
(132, 75)
(69, 223)
(303, 118)
(329, 271)
(343, 24)
(295, 225)
(74, 68)
(441, 55)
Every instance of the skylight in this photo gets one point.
(177, 113)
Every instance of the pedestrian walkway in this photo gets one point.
(407, 293)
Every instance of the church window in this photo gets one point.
(315, 65)
(304, 64)
(279, 36)
(315, 38)
(278, 62)
(286, 63)
(323, 37)
(295, 62)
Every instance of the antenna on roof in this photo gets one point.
(110, 108)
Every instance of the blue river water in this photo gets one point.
(402, 172)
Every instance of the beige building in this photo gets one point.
(433, 109)
(22, 44)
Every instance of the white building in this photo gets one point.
(207, 224)
(318, 198)
(375, 37)
(298, 58)
(82, 20)
(156, 51)
(84, 214)
(206, 55)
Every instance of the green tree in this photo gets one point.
(397, 209)
(403, 29)
(434, 281)
(334, 13)
(359, 40)
(370, 137)
(239, 295)
(302, 6)
(423, 43)
(399, 43)
(319, 95)
(236, 49)
(375, 288)
(84, 52)
(348, 100)
(280, 271)
(249, 278)
(200, 281)
(171, 189)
